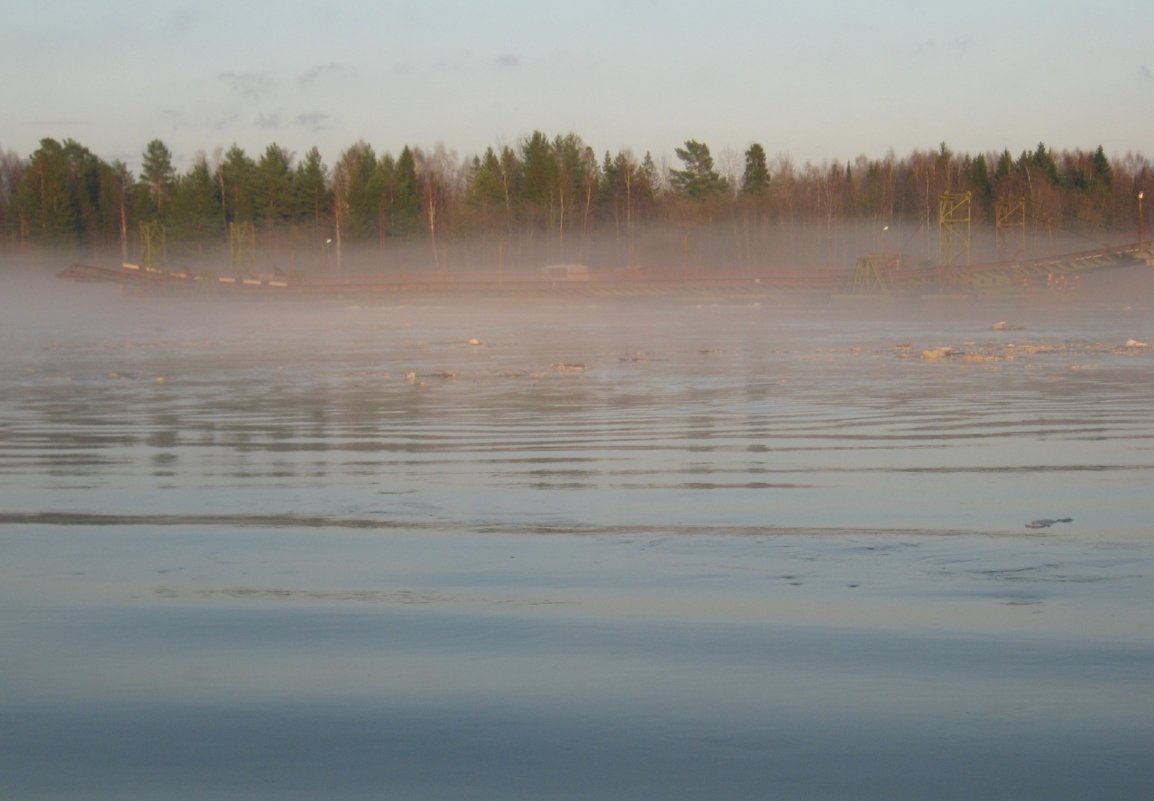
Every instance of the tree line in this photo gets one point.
(544, 197)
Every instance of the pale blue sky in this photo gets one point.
(818, 80)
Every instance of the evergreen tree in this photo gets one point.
(11, 170)
(45, 197)
(539, 174)
(699, 180)
(313, 200)
(196, 218)
(1044, 161)
(1005, 167)
(406, 207)
(756, 177)
(1102, 174)
(84, 170)
(576, 178)
(485, 190)
(357, 192)
(513, 177)
(117, 189)
(158, 176)
(273, 187)
(650, 177)
(978, 174)
(236, 178)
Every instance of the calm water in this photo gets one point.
(658, 548)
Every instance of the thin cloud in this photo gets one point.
(173, 118)
(312, 121)
(249, 85)
(507, 61)
(953, 47)
(958, 47)
(322, 72)
(268, 121)
(223, 123)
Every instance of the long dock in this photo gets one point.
(884, 273)
(876, 274)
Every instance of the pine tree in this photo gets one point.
(357, 192)
(45, 197)
(312, 196)
(158, 176)
(406, 209)
(699, 180)
(539, 173)
(235, 175)
(273, 187)
(1103, 175)
(485, 189)
(756, 177)
(196, 218)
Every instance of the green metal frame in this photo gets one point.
(869, 275)
(1010, 218)
(153, 247)
(242, 247)
(954, 216)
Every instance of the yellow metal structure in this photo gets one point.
(242, 247)
(1010, 218)
(153, 250)
(878, 272)
(870, 275)
(954, 229)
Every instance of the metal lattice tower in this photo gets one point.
(870, 274)
(242, 247)
(954, 229)
(153, 250)
(1010, 216)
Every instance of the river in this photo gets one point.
(664, 547)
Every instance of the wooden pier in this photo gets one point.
(876, 274)
(882, 273)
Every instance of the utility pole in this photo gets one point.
(1141, 237)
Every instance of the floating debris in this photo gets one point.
(934, 354)
(569, 367)
(1002, 325)
(1046, 522)
(474, 342)
(982, 357)
(1134, 343)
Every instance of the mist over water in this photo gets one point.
(665, 546)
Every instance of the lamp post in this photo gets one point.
(1141, 194)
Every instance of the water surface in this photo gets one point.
(581, 547)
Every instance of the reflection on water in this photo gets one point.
(303, 548)
(601, 414)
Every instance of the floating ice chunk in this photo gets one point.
(1046, 522)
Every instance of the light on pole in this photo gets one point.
(1141, 195)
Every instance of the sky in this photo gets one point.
(815, 81)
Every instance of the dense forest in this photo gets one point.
(550, 200)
